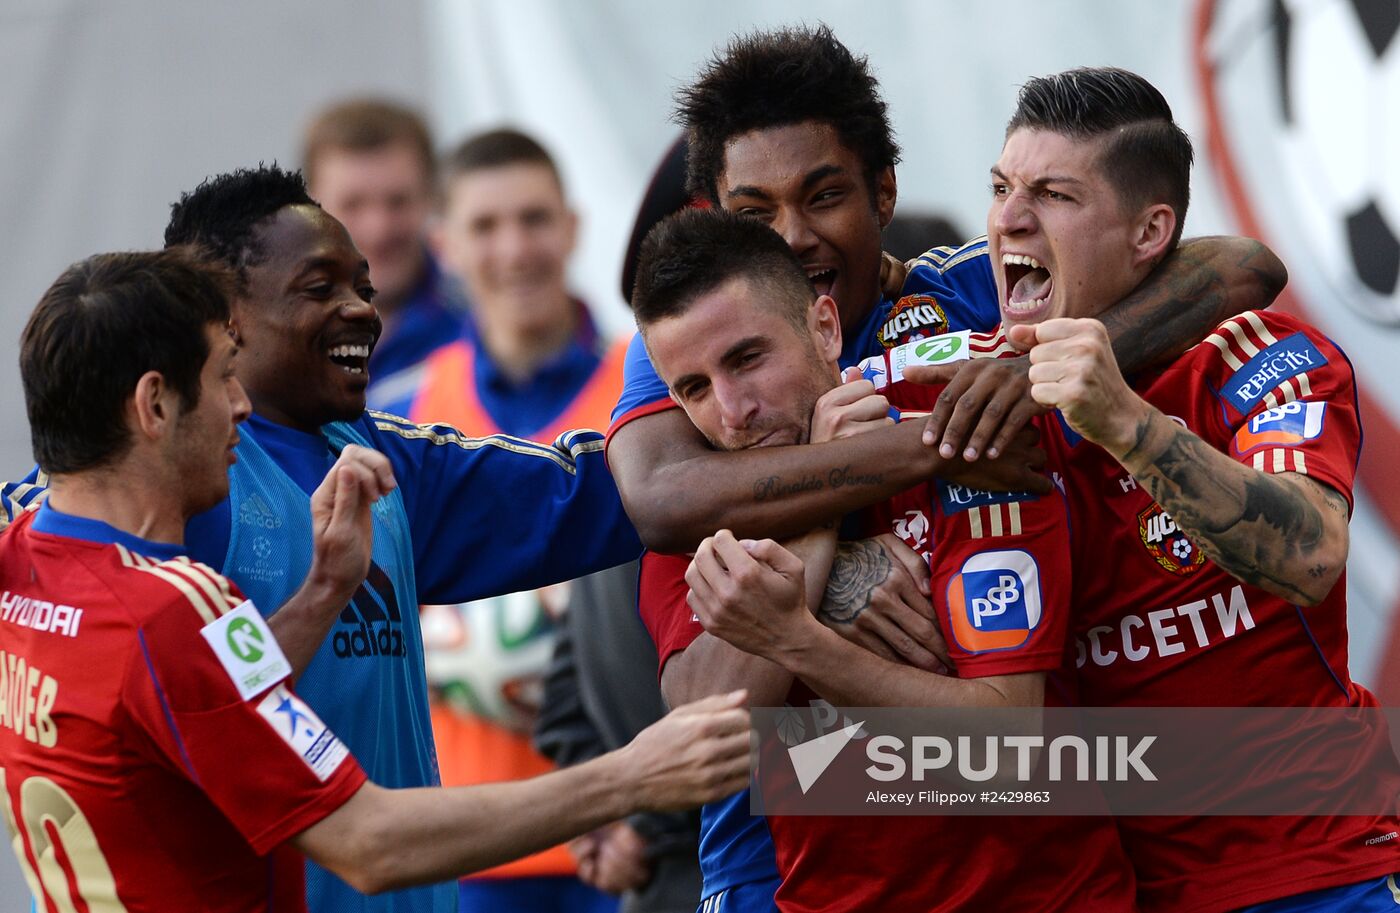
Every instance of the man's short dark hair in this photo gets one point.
(697, 250)
(105, 322)
(1146, 156)
(367, 125)
(775, 79)
(496, 149)
(222, 214)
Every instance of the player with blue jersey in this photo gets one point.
(788, 127)
(457, 528)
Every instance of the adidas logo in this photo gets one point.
(372, 624)
(254, 511)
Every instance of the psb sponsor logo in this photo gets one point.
(912, 528)
(1167, 544)
(1286, 358)
(301, 728)
(913, 317)
(254, 511)
(1287, 426)
(955, 498)
(372, 624)
(994, 600)
(873, 370)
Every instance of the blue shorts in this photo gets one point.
(1375, 895)
(750, 897)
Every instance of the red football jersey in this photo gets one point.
(150, 757)
(1000, 587)
(1158, 624)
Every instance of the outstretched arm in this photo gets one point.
(1202, 282)
(383, 839)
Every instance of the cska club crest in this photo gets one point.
(913, 317)
(1167, 544)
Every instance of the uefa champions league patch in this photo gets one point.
(301, 728)
(873, 369)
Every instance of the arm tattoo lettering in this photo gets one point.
(856, 571)
(771, 488)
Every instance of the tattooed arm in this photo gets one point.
(677, 489)
(1202, 282)
(1283, 533)
(877, 596)
(752, 596)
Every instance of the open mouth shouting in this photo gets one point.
(1028, 286)
(351, 358)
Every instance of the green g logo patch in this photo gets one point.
(245, 640)
(938, 349)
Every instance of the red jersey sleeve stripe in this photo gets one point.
(1260, 330)
(197, 600)
(202, 583)
(217, 581)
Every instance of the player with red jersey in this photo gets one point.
(1210, 522)
(152, 753)
(1167, 626)
(751, 353)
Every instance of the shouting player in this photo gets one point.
(153, 756)
(1211, 519)
(788, 127)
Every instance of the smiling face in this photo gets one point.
(1062, 241)
(507, 233)
(743, 373)
(200, 449)
(306, 323)
(803, 183)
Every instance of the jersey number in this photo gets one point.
(73, 875)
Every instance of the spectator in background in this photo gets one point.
(534, 366)
(370, 163)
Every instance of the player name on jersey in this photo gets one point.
(27, 697)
